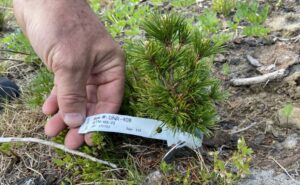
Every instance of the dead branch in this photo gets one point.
(242, 129)
(55, 145)
(258, 79)
(13, 60)
(289, 160)
(294, 39)
(287, 173)
(13, 51)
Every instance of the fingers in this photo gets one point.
(91, 93)
(110, 97)
(91, 109)
(109, 101)
(110, 89)
(71, 94)
(70, 81)
(104, 89)
(54, 125)
(109, 93)
(88, 138)
(73, 139)
(50, 106)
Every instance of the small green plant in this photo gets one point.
(39, 88)
(252, 12)
(209, 22)
(84, 169)
(95, 5)
(182, 3)
(210, 26)
(226, 69)
(222, 172)
(223, 6)
(254, 15)
(171, 175)
(165, 167)
(170, 75)
(255, 30)
(231, 170)
(5, 148)
(287, 111)
(158, 2)
(124, 18)
(18, 42)
(3, 68)
(91, 172)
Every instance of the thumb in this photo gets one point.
(71, 94)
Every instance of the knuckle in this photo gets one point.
(72, 99)
(117, 56)
(114, 49)
(66, 62)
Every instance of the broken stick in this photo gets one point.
(286, 172)
(55, 145)
(258, 79)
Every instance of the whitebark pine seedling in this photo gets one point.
(169, 76)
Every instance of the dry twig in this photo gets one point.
(242, 129)
(13, 60)
(258, 79)
(55, 145)
(13, 51)
(283, 168)
(294, 39)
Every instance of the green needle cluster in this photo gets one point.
(169, 75)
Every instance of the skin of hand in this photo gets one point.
(88, 65)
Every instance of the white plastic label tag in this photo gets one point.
(139, 127)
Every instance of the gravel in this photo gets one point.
(267, 177)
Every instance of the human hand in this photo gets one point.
(87, 64)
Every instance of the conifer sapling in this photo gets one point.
(169, 75)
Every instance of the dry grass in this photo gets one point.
(29, 163)
(26, 162)
(22, 163)
(18, 120)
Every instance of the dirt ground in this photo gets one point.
(260, 103)
(256, 105)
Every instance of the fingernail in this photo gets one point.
(74, 119)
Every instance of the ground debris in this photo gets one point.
(288, 24)
(154, 178)
(290, 142)
(267, 177)
(253, 61)
(258, 79)
(31, 181)
(293, 121)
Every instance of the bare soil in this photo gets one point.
(261, 103)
